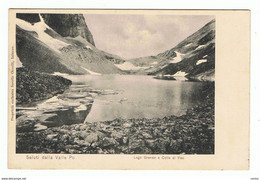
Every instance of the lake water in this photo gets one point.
(140, 96)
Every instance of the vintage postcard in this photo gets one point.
(129, 89)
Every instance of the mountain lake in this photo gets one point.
(140, 96)
(93, 98)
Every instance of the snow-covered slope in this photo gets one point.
(41, 48)
(128, 66)
(177, 58)
(39, 28)
(148, 64)
(194, 57)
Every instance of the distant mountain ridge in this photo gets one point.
(61, 43)
(193, 58)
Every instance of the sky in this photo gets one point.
(133, 36)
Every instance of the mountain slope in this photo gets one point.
(41, 48)
(194, 57)
(67, 25)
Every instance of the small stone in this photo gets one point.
(109, 142)
(135, 144)
(111, 151)
(83, 127)
(77, 127)
(150, 143)
(84, 134)
(127, 125)
(51, 136)
(100, 151)
(117, 135)
(95, 144)
(82, 142)
(146, 135)
(93, 137)
(125, 140)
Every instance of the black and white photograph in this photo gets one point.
(115, 83)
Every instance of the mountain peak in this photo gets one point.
(67, 25)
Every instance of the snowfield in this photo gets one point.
(128, 66)
(91, 72)
(180, 73)
(200, 47)
(187, 45)
(18, 62)
(88, 47)
(154, 63)
(179, 76)
(178, 58)
(201, 61)
(80, 108)
(60, 74)
(40, 28)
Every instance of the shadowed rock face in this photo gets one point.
(71, 25)
(33, 86)
(29, 17)
(67, 25)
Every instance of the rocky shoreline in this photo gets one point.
(192, 133)
(34, 86)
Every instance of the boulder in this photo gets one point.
(109, 142)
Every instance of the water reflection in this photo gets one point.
(141, 96)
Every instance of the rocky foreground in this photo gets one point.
(33, 86)
(192, 133)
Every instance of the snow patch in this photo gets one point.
(91, 72)
(180, 73)
(201, 61)
(39, 28)
(88, 47)
(39, 127)
(60, 74)
(205, 56)
(18, 62)
(126, 66)
(154, 63)
(80, 108)
(177, 77)
(187, 45)
(52, 100)
(200, 47)
(178, 58)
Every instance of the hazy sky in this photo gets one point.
(131, 36)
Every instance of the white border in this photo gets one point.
(126, 4)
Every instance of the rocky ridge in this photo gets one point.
(33, 86)
(193, 58)
(67, 25)
(61, 43)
